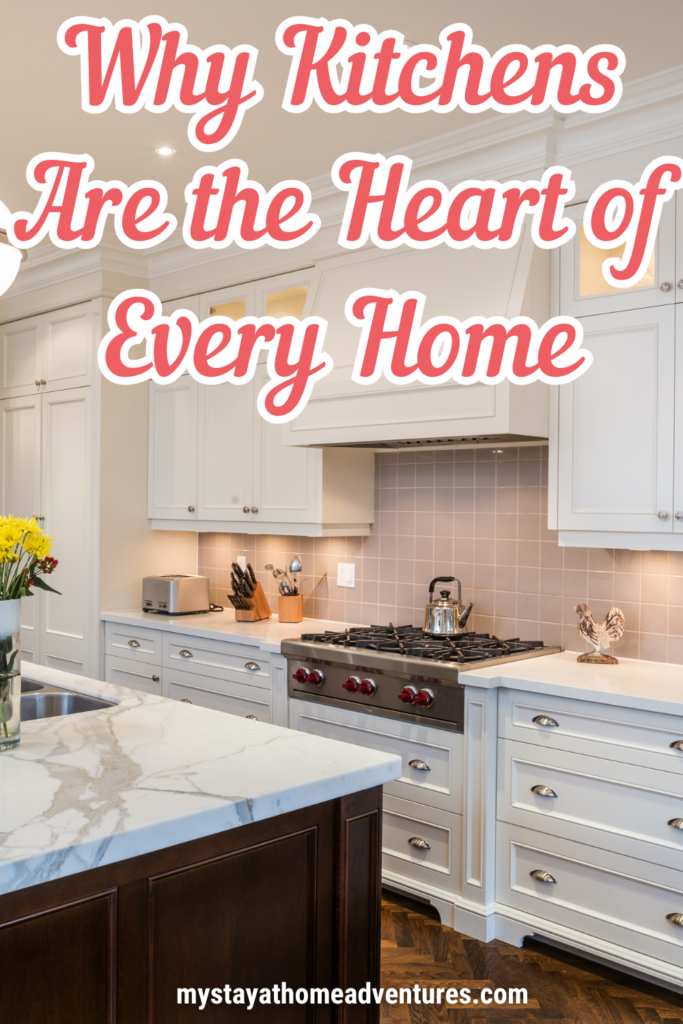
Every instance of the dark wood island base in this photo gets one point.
(293, 899)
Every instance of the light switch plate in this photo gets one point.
(242, 562)
(346, 574)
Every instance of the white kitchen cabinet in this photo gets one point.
(458, 283)
(122, 672)
(47, 472)
(50, 352)
(172, 471)
(615, 446)
(583, 289)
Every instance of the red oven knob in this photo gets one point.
(408, 695)
(351, 684)
(302, 675)
(425, 698)
(316, 678)
(368, 687)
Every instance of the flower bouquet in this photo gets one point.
(24, 559)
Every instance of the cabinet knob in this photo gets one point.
(678, 516)
(421, 766)
(543, 791)
(190, 508)
(252, 718)
(184, 700)
(133, 643)
(662, 516)
(680, 283)
(43, 382)
(665, 286)
(253, 508)
(155, 679)
(37, 383)
(542, 876)
(421, 844)
(675, 918)
(185, 653)
(39, 519)
(246, 509)
(549, 723)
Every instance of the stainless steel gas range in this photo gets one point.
(396, 671)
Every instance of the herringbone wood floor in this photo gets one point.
(563, 989)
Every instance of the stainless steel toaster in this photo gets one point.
(175, 595)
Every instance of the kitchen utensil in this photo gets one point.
(295, 568)
(284, 589)
(175, 595)
(252, 574)
(444, 617)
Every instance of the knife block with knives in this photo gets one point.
(248, 598)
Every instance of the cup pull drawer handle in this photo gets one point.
(421, 766)
(185, 653)
(675, 822)
(549, 723)
(675, 918)
(542, 876)
(252, 718)
(421, 844)
(185, 700)
(545, 791)
(676, 745)
(252, 666)
(133, 643)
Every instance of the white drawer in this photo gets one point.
(617, 806)
(233, 698)
(143, 645)
(611, 897)
(121, 672)
(437, 785)
(437, 863)
(217, 657)
(619, 734)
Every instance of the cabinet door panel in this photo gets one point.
(21, 357)
(66, 489)
(583, 289)
(173, 449)
(616, 426)
(678, 468)
(67, 345)
(226, 452)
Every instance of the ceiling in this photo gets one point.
(40, 85)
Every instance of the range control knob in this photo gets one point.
(315, 678)
(425, 698)
(408, 695)
(351, 684)
(368, 687)
(301, 675)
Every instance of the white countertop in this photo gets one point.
(267, 634)
(91, 789)
(646, 685)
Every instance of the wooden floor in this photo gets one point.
(562, 988)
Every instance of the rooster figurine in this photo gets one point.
(600, 636)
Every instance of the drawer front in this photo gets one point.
(610, 897)
(629, 805)
(434, 778)
(142, 645)
(121, 672)
(233, 698)
(238, 662)
(421, 844)
(619, 734)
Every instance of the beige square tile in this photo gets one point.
(529, 526)
(529, 552)
(443, 499)
(552, 556)
(506, 578)
(601, 586)
(443, 550)
(654, 589)
(653, 647)
(550, 633)
(424, 499)
(528, 629)
(550, 609)
(675, 627)
(463, 549)
(528, 607)
(369, 592)
(484, 602)
(676, 589)
(484, 474)
(507, 527)
(405, 571)
(445, 524)
(529, 474)
(405, 524)
(529, 499)
(506, 552)
(484, 499)
(601, 560)
(627, 561)
(675, 650)
(444, 474)
(463, 499)
(506, 474)
(626, 586)
(528, 580)
(654, 618)
(485, 551)
(424, 549)
(505, 604)
(484, 576)
(655, 562)
(576, 584)
(576, 558)
(463, 474)
(628, 646)
(387, 570)
(424, 474)
(388, 546)
(505, 628)
(484, 525)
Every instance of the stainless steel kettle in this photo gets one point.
(444, 617)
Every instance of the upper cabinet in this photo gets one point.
(584, 290)
(459, 283)
(51, 352)
(214, 464)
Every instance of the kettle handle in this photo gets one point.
(440, 579)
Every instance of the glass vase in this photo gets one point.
(10, 674)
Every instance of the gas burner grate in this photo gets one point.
(411, 641)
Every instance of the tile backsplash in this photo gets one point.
(479, 515)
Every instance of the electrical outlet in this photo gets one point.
(346, 574)
(242, 562)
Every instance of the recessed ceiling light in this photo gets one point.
(164, 150)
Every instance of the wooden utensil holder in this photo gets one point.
(258, 607)
(290, 609)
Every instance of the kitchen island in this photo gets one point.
(153, 845)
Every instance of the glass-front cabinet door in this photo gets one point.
(584, 291)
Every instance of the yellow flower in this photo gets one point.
(37, 544)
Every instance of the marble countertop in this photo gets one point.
(90, 789)
(645, 685)
(267, 634)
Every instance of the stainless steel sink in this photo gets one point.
(39, 700)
